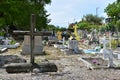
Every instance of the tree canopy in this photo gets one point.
(113, 12)
(17, 13)
(92, 19)
(88, 22)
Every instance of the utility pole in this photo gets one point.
(96, 14)
(97, 11)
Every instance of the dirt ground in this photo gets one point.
(69, 68)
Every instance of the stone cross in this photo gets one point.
(104, 50)
(104, 42)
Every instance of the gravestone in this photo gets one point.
(73, 45)
(94, 37)
(38, 47)
(110, 61)
(104, 50)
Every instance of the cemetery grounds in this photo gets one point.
(69, 67)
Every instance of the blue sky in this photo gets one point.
(64, 12)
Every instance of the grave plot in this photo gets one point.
(95, 63)
(7, 59)
(32, 45)
(99, 63)
(69, 47)
(9, 43)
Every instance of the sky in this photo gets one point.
(64, 12)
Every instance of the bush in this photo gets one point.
(12, 42)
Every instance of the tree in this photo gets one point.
(83, 25)
(70, 26)
(118, 25)
(17, 13)
(113, 11)
(92, 19)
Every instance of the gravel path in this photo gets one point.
(69, 68)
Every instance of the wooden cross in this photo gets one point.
(13, 68)
(32, 35)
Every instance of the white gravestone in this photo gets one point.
(107, 53)
(73, 44)
(110, 61)
(104, 50)
(38, 47)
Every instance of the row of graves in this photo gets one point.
(33, 45)
(69, 46)
(105, 56)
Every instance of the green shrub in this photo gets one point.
(12, 42)
(2, 33)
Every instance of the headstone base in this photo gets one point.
(27, 67)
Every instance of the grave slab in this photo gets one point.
(38, 47)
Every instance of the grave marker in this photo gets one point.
(104, 50)
(16, 68)
(73, 45)
(38, 46)
(34, 37)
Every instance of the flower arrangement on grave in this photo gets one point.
(95, 62)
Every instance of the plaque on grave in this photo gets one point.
(38, 47)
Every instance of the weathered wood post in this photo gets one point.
(32, 22)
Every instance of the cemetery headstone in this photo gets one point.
(104, 50)
(84, 34)
(73, 45)
(110, 61)
(94, 37)
(38, 47)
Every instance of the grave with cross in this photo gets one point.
(31, 39)
(27, 67)
(107, 53)
(32, 44)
